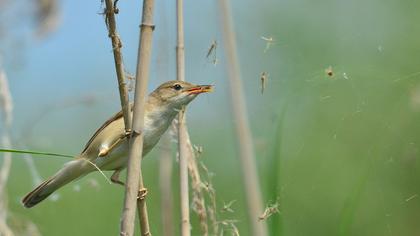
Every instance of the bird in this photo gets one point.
(107, 149)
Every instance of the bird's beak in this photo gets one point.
(200, 89)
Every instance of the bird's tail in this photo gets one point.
(71, 171)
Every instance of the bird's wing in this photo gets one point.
(105, 150)
(108, 122)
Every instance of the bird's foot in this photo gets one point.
(115, 178)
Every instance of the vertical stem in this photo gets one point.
(182, 129)
(183, 175)
(180, 57)
(6, 109)
(196, 189)
(119, 67)
(134, 182)
(243, 133)
(165, 184)
(166, 162)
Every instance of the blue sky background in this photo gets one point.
(76, 61)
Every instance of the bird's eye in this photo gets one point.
(177, 87)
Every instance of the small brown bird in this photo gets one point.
(107, 149)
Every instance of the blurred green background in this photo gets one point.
(339, 153)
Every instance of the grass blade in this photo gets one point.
(35, 153)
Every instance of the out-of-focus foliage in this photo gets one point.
(336, 129)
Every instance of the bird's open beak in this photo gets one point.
(200, 89)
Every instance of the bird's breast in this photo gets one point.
(154, 127)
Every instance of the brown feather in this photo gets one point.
(34, 197)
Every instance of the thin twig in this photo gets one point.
(270, 210)
(98, 169)
(198, 200)
(119, 66)
(134, 182)
(182, 128)
(243, 133)
(199, 205)
(212, 207)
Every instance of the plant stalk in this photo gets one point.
(165, 185)
(243, 132)
(134, 184)
(119, 66)
(182, 129)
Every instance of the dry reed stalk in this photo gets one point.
(166, 162)
(119, 66)
(182, 128)
(165, 184)
(183, 174)
(243, 133)
(199, 205)
(212, 207)
(6, 106)
(4, 175)
(134, 183)
(198, 201)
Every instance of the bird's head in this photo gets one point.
(177, 94)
